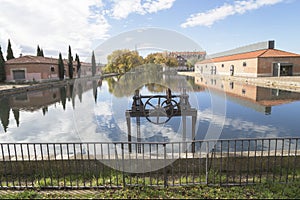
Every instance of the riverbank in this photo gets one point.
(14, 88)
(290, 83)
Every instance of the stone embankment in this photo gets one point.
(290, 83)
(13, 88)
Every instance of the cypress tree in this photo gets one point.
(2, 67)
(78, 66)
(61, 68)
(93, 64)
(10, 54)
(38, 51)
(42, 53)
(70, 63)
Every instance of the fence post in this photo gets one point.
(122, 147)
(206, 163)
(165, 166)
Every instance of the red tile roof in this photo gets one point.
(265, 53)
(32, 59)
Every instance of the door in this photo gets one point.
(19, 74)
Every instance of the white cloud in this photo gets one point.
(209, 17)
(52, 24)
(122, 8)
(155, 6)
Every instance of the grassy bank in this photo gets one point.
(266, 190)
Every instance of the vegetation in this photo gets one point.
(2, 67)
(61, 67)
(78, 66)
(39, 51)
(260, 191)
(10, 54)
(93, 64)
(70, 63)
(122, 61)
(160, 58)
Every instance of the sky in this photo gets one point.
(215, 25)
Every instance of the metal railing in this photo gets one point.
(99, 165)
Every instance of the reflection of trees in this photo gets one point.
(63, 96)
(4, 112)
(95, 90)
(153, 87)
(16, 113)
(150, 75)
(45, 110)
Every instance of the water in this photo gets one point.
(91, 111)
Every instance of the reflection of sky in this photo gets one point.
(105, 121)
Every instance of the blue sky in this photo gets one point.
(216, 25)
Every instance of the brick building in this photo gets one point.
(256, 60)
(38, 68)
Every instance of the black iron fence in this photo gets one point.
(120, 164)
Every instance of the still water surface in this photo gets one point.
(96, 111)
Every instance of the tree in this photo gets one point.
(2, 67)
(160, 58)
(70, 63)
(78, 66)
(42, 53)
(121, 63)
(61, 68)
(39, 51)
(10, 54)
(93, 64)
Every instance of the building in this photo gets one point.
(38, 68)
(187, 59)
(256, 60)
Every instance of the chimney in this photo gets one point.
(271, 44)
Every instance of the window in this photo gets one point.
(222, 65)
(243, 91)
(244, 64)
(52, 69)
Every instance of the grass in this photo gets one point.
(259, 191)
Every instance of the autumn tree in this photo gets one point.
(61, 68)
(160, 58)
(10, 54)
(2, 67)
(70, 63)
(121, 61)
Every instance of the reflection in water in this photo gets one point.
(251, 96)
(51, 114)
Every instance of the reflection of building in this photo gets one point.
(257, 98)
(255, 60)
(38, 68)
(42, 99)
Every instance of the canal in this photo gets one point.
(118, 109)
